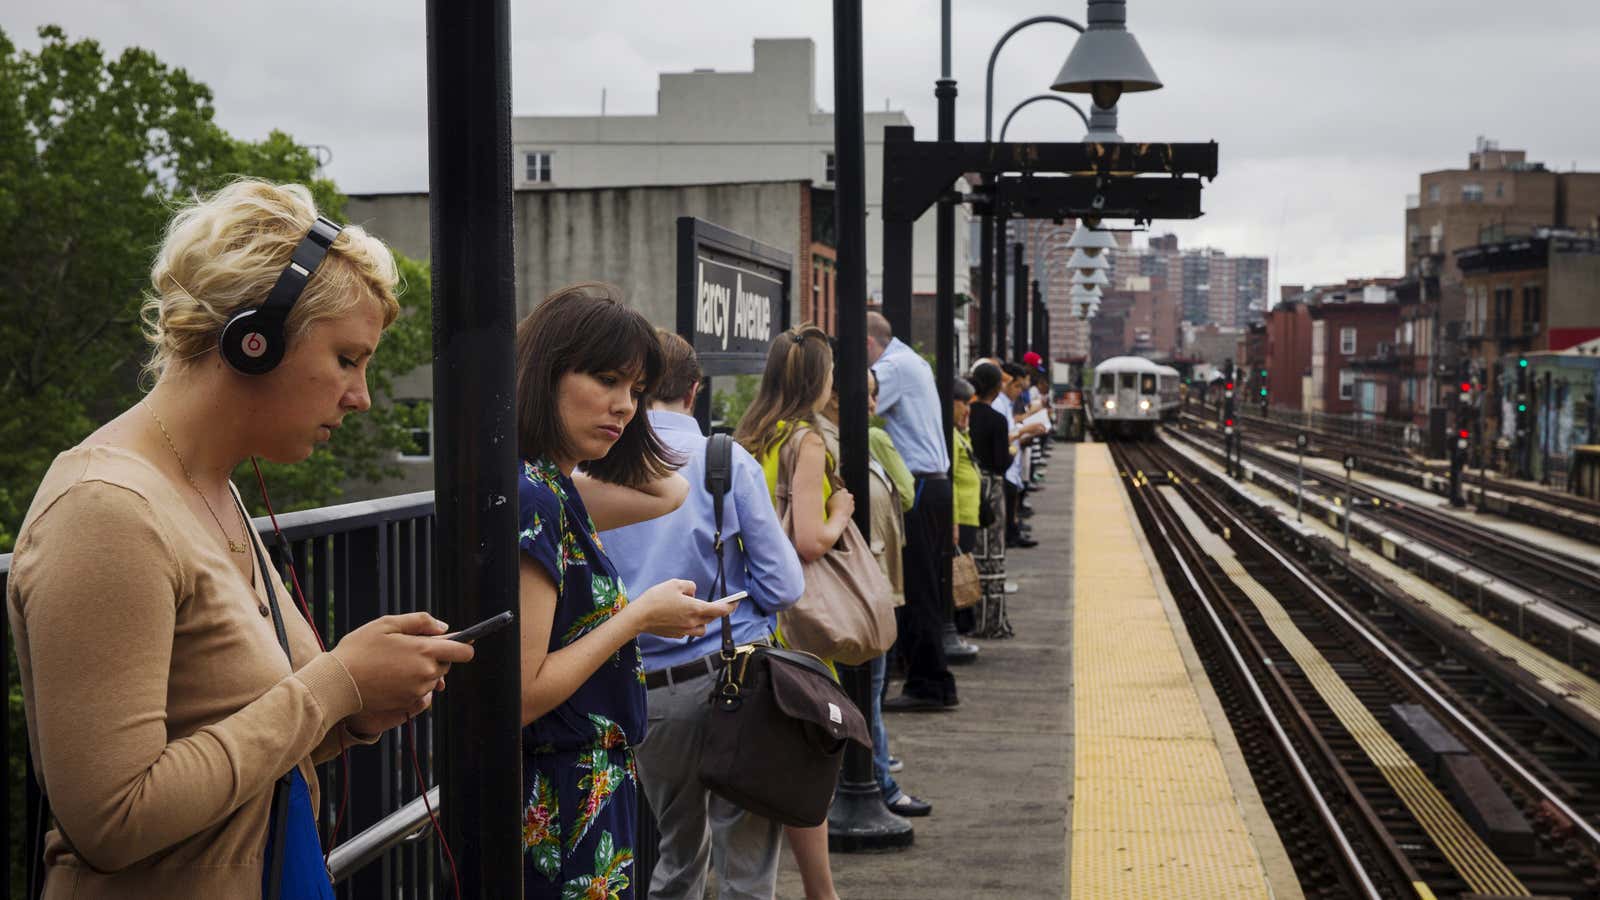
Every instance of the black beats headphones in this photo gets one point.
(253, 341)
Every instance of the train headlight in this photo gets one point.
(1111, 404)
(1144, 405)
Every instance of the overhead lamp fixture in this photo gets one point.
(1106, 61)
(1097, 278)
(1085, 263)
(1091, 240)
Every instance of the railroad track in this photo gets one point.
(1570, 583)
(1406, 468)
(1307, 678)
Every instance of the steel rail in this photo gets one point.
(1456, 715)
(1297, 763)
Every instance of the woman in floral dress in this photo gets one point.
(583, 361)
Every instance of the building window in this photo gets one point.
(1532, 307)
(1502, 310)
(416, 416)
(1347, 341)
(1472, 193)
(1499, 190)
(1347, 385)
(828, 169)
(537, 166)
(1433, 193)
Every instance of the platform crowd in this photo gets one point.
(176, 714)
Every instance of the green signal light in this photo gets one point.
(1522, 363)
(1522, 407)
(1263, 392)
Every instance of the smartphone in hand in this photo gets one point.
(486, 627)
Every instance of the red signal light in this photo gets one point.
(1466, 387)
(1228, 422)
(1230, 385)
(1464, 433)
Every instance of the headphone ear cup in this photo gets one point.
(252, 343)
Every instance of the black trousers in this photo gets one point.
(967, 541)
(1013, 497)
(921, 620)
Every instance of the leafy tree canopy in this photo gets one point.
(95, 153)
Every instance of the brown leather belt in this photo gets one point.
(705, 665)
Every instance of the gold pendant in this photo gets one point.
(236, 548)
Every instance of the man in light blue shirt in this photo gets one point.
(758, 557)
(908, 401)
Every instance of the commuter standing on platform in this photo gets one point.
(699, 829)
(583, 361)
(991, 450)
(908, 401)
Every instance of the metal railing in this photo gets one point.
(356, 561)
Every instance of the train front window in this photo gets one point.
(1108, 382)
(1147, 384)
(1127, 381)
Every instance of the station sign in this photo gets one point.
(1350, 461)
(733, 296)
(1301, 440)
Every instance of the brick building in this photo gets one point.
(1288, 354)
(1525, 296)
(1352, 355)
(1499, 195)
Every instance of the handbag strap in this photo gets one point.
(280, 791)
(719, 477)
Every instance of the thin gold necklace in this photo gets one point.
(232, 546)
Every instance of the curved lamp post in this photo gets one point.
(1035, 99)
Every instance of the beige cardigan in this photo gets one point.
(160, 706)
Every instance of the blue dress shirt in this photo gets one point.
(757, 555)
(908, 401)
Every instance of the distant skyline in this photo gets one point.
(1326, 114)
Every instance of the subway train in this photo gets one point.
(1132, 395)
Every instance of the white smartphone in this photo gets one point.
(736, 597)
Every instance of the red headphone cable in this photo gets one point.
(344, 759)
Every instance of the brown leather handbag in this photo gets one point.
(847, 611)
(775, 739)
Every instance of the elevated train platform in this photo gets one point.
(1089, 756)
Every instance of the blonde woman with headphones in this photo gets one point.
(176, 700)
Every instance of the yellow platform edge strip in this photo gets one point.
(1154, 814)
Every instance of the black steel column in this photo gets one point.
(897, 243)
(1001, 245)
(1019, 304)
(474, 317)
(986, 277)
(858, 819)
(1036, 330)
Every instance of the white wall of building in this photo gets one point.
(717, 127)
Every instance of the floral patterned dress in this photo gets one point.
(577, 759)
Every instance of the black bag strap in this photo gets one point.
(719, 478)
(280, 791)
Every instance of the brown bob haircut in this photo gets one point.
(586, 328)
(680, 369)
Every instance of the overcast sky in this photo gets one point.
(1326, 110)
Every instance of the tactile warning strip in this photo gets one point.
(1483, 871)
(1153, 813)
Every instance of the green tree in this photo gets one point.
(94, 155)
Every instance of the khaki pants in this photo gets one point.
(698, 829)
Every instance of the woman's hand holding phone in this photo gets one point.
(398, 661)
(671, 610)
